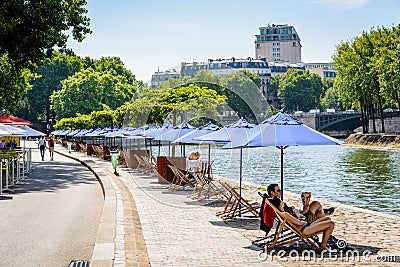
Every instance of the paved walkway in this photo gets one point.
(177, 231)
(52, 217)
(160, 227)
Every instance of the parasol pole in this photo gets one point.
(281, 148)
(240, 182)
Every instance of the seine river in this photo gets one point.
(365, 178)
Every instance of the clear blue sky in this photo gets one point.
(152, 34)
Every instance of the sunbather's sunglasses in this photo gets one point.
(278, 190)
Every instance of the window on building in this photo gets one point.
(294, 44)
(257, 45)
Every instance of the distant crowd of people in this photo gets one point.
(12, 144)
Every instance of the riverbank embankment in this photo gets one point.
(376, 140)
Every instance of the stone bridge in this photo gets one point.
(343, 121)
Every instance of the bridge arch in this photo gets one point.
(342, 121)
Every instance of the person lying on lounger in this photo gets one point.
(312, 212)
(325, 224)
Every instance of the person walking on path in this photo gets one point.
(51, 147)
(42, 146)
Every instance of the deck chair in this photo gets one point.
(206, 168)
(236, 205)
(141, 164)
(122, 158)
(149, 166)
(83, 147)
(209, 189)
(181, 179)
(286, 232)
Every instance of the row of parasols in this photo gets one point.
(280, 130)
(21, 131)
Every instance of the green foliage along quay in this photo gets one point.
(368, 73)
(107, 82)
(36, 103)
(300, 90)
(189, 102)
(241, 89)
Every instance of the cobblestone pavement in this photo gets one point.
(179, 231)
(373, 234)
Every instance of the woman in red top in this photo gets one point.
(51, 146)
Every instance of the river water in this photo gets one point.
(365, 178)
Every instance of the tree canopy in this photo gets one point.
(50, 74)
(242, 90)
(87, 90)
(189, 102)
(29, 29)
(368, 69)
(14, 83)
(300, 90)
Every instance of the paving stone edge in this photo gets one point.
(104, 247)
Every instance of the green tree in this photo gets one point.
(242, 90)
(190, 101)
(14, 83)
(300, 90)
(244, 94)
(102, 118)
(36, 105)
(367, 72)
(30, 29)
(89, 89)
(331, 100)
(272, 91)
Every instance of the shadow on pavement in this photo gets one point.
(52, 175)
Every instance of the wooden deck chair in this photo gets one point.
(206, 168)
(122, 158)
(98, 151)
(287, 233)
(200, 185)
(181, 179)
(210, 189)
(238, 205)
(83, 147)
(149, 166)
(141, 164)
(230, 202)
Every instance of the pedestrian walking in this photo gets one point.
(51, 147)
(42, 146)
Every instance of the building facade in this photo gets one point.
(161, 76)
(278, 43)
(324, 70)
